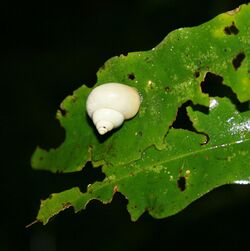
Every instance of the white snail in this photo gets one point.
(108, 105)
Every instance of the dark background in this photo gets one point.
(49, 50)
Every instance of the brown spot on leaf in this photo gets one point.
(234, 11)
(167, 89)
(73, 99)
(66, 205)
(63, 111)
(150, 85)
(115, 190)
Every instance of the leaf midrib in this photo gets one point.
(167, 161)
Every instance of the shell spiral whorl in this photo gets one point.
(108, 105)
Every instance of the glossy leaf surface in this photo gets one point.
(157, 167)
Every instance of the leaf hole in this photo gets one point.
(237, 61)
(89, 175)
(52, 136)
(214, 87)
(231, 30)
(63, 181)
(183, 121)
(181, 183)
(196, 74)
(131, 76)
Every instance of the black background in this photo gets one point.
(50, 49)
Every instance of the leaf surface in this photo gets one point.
(158, 168)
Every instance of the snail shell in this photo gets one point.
(108, 105)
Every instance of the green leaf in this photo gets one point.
(158, 168)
